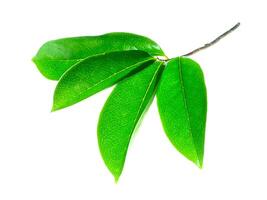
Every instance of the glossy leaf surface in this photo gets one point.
(122, 112)
(95, 74)
(182, 104)
(56, 56)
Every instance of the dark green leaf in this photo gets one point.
(122, 112)
(95, 74)
(56, 56)
(182, 103)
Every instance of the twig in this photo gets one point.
(214, 41)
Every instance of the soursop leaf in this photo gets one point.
(122, 112)
(95, 74)
(57, 56)
(182, 104)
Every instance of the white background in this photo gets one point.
(55, 156)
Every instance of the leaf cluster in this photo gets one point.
(86, 65)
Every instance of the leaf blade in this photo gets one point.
(95, 74)
(182, 104)
(121, 113)
(57, 56)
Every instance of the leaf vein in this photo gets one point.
(186, 105)
(148, 87)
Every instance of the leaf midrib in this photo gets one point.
(73, 59)
(77, 59)
(186, 106)
(112, 75)
(140, 106)
(148, 87)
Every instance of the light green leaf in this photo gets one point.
(56, 56)
(95, 74)
(122, 112)
(182, 104)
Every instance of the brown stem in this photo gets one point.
(214, 41)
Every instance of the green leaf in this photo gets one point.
(56, 56)
(95, 74)
(182, 104)
(122, 112)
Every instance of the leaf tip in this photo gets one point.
(116, 174)
(199, 163)
(55, 107)
(33, 59)
(116, 178)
